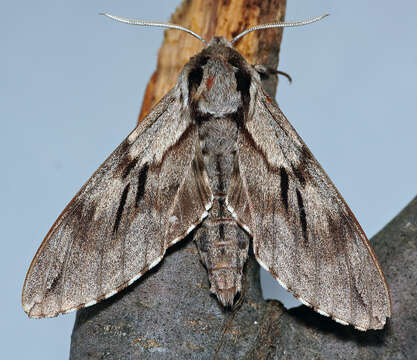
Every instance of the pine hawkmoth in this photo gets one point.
(216, 152)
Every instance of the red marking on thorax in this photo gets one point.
(209, 82)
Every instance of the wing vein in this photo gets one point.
(67, 256)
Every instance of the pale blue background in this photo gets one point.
(71, 86)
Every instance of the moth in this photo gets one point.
(215, 156)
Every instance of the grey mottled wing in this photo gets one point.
(146, 196)
(303, 232)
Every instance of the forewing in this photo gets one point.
(303, 232)
(146, 196)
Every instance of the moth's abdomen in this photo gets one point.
(223, 248)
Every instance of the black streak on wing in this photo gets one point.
(121, 207)
(143, 174)
(56, 282)
(129, 168)
(358, 295)
(299, 175)
(300, 171)
(284, 187)
(303, 219)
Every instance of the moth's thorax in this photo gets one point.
(217, 94)
(218, 137)
(218, 80)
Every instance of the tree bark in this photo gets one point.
(170, 314)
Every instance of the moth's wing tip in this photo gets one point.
(27, 311)
(379, 326)
(33, 312)
(27, 306)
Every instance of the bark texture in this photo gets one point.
(170, 314)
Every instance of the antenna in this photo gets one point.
(153, 23)
(278, 25)
(179, 27)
